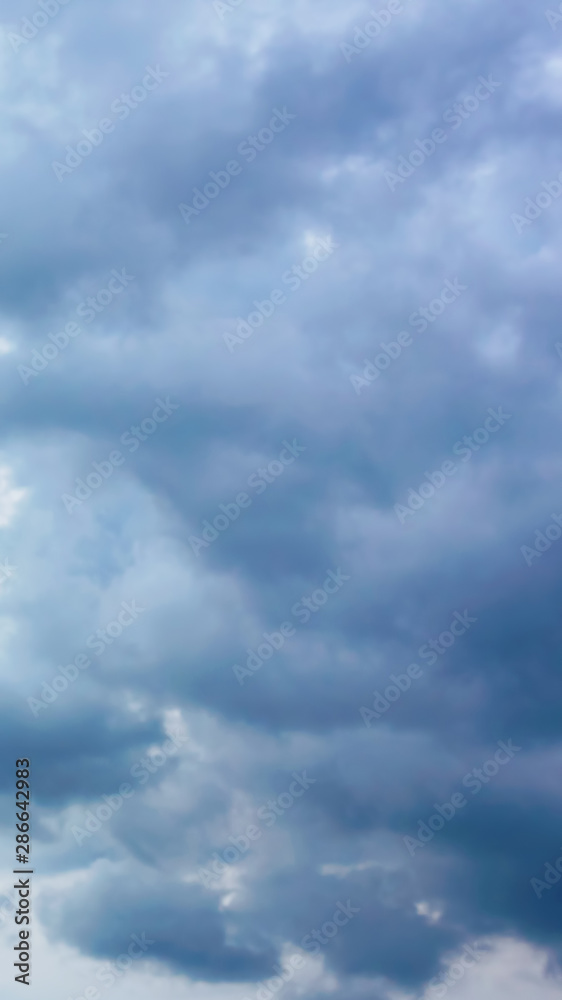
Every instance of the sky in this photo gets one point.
(280, 498)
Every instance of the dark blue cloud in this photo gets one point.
(365, 498)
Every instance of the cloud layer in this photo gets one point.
(308, 257)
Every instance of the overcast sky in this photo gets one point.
(280, 497)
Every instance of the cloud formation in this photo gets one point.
(279, 299)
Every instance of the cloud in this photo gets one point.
(319, 182)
